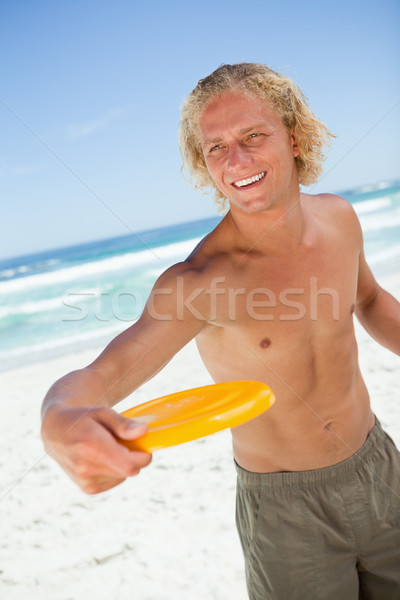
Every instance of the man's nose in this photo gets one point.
(238, 157)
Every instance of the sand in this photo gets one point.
(168, 534)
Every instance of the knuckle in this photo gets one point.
(141, 461)
(82, 469)
(101, 411)
(146, 459)
(89, 488)
(85, 450)
(81, 466)
(132, 470)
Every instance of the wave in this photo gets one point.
(369, 188)
(22, 270)
(375, 222)
(386, 255)
(115, 263)
(89, 337)
(368, 206)
(39, 306)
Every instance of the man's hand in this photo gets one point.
(84, 442)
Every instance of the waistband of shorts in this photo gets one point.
(248, 479)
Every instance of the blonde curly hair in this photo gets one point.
(262, 82)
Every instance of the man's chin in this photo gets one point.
(251, 206)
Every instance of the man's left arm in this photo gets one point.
(377, 310)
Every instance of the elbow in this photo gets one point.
(365, 304)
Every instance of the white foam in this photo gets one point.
(40, 306)
(58, 342)
(372, 187)
(372, 205)
(29, 308)
(385, 255)
(375, 222)
(10, 273)
(130, 259)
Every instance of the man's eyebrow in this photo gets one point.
(247, 129)
(213, 141)
(241, 132)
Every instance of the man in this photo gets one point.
(269, 295)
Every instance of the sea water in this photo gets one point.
(82, 296)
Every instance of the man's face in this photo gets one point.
(248, 151)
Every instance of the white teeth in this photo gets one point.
(250, 180)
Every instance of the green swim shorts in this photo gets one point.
(325, 534)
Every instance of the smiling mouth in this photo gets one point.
(246, 182)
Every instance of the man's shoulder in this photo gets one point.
(331, 206)
(199, 266)
(211, 251)
(329, 200)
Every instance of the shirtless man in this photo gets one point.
(269, 295)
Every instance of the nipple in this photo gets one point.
(265, 342)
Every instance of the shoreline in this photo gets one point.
(168, 533)
(98, 337)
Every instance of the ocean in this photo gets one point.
(78, 297)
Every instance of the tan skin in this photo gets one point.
(269, 295)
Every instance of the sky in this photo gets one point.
(90, 93)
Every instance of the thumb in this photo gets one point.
(122, 427)
(131, 430)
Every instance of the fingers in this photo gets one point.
(91, 488)
(114, 459)
(87, 448)
(102, 472)
(123, 461)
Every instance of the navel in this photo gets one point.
(353, 306)
(265, 343)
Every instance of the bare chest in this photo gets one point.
(314, 287)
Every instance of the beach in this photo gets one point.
(166, 534)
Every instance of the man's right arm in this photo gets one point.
(79, 427)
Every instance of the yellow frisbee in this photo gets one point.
(191, 414)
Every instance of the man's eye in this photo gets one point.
(253, 135)
(217, 147)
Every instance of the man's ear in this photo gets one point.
(293, 139)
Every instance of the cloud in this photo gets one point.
(26, 169)
(19, 170)
(76, 131)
